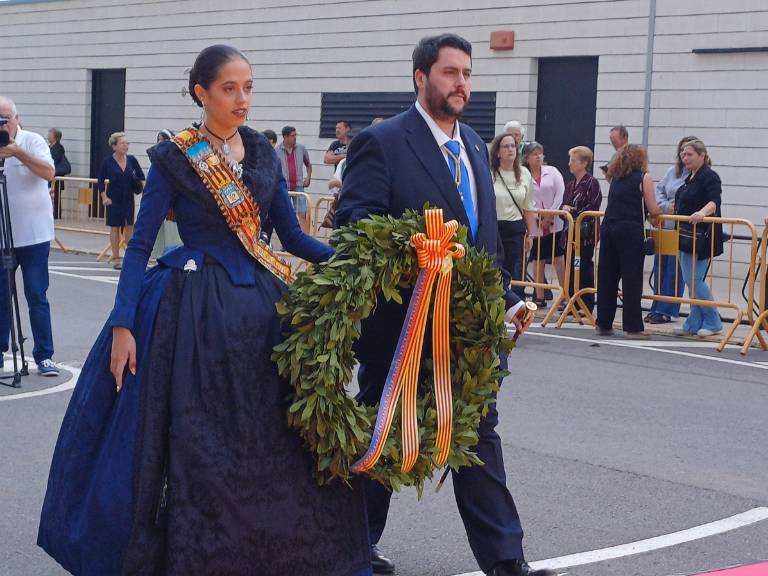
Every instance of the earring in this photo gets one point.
(203, 115)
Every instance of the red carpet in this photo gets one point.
(754, 570)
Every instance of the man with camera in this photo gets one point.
(28, 168)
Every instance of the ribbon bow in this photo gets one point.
(434, 253)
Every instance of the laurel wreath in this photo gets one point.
(322, 313)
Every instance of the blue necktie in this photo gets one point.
(456, 165)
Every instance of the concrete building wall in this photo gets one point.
(302, 48)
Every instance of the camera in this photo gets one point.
(5, 138)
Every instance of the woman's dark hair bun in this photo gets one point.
(207, 65)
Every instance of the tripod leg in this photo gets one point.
(19, 336)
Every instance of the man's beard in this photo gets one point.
(439, 105)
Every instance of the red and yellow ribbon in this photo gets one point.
(435, 253)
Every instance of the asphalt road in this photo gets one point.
(605, 444)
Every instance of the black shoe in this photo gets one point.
(519, 568)
(380, 563)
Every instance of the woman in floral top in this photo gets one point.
(582, 194)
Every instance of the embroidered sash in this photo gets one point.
(233, 198)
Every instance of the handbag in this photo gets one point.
(649, 243)
(331, 214)
(701, 235)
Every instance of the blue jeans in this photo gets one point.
(299, 202)
(34, 269)
(701, 316)
(667, 286)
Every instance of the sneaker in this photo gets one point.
(704, 332)
(47, 368)
(681, 331)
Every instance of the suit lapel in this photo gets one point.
(425, 149)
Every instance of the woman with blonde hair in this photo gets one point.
(622, 255)
(126, 178)
(699, 197)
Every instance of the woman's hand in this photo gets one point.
(566, 208)
(696, 218)
(123, 353)
(528, 243)
(106, 200)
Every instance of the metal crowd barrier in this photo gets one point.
(761, 323)
(322, 206)
(77, 206)
(667, 244)
(305, 221)
(561, 290)
(576, 306)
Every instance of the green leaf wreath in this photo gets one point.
(323, 311)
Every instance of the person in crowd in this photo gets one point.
(619, 136)
(270, 136)
(337, 151)
(582, 194)
(665, 268)
(548, 187)
(699, 197)
(515, 205)
(28, 168)
(61, 165)
(293, 159)
(175, 456)
(426, 155)
(126, 179)
(622, 234)
(517, 131)
(168, 235)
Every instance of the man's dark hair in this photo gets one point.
(270, 135)
(288, 130)
(428, 49)
(346, 123)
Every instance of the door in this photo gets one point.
(107, 113)
(566, 107)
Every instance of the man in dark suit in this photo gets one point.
(426, 155)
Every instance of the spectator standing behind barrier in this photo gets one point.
(582, 194)
(168, 235)
(621, 241)
(548, 187)
(664, 312)
(61, 166)
(126, 178)
(293, 159)
(700, 197)
(517, 131)
(619, 137)
(337, 151)
(515, 205)
(28, 169)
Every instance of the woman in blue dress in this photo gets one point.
(175, 456)
(126, 178)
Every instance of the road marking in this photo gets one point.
(105, 279)
(650, 544)
(84, 268)
(68, 385)
(649, 346)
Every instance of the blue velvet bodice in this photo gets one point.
(173, 183)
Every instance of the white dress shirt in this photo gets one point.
(441, 138)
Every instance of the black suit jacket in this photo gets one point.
(397, 165)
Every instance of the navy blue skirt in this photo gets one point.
(192, 468)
